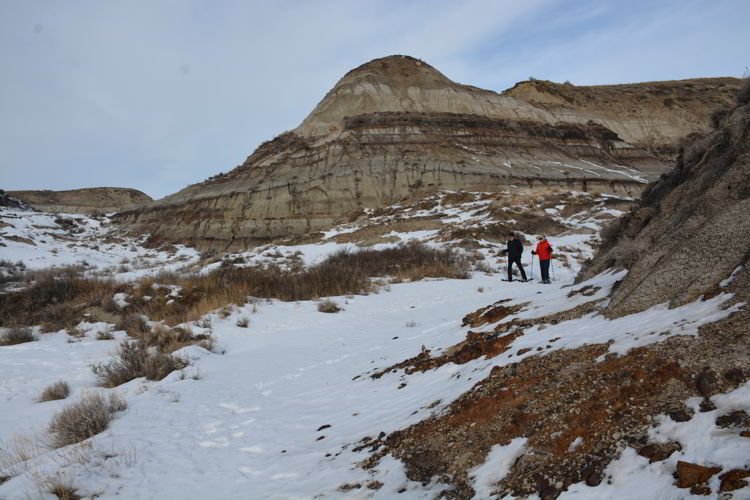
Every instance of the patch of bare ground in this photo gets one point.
(556, 398)
(489, 344)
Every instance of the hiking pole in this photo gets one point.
(552, 265)
(532, 266)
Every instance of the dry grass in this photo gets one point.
(55, 300)
(59, 298)
(17, 335)
(343, 273)
(63, 490)
(105, 335)
(328, 306)
(134, 360)
(58, 390)
(83, 419)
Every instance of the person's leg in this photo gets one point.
(510, 269)
(520, 268)
(544, 264)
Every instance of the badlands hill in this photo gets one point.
(83, 201)
(396, 125)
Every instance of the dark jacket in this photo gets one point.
(515, 248)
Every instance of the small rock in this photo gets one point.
(690, 475)
(659, 452)
(733, 480)
(736, 420)
(707, 383)
(680, 416)
(707, 405)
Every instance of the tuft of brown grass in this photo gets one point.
(328, 306)
(55, 300)
(63, 491)
(17, 335)
(58, 390)
(134, 360)
(83, 419)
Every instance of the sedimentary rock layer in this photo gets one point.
(395, 125)
(83, 201)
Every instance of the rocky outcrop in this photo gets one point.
(395, 125)
(690, 231)
(83, 201)
(8, 201)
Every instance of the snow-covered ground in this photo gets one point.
(42, 240)
(278, 413)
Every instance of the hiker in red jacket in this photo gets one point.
(544, 251)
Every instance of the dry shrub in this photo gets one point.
(167, 340)
(17, 335)
(84, 419)
(16, 453)
(343, 273)
(58, 390)
(62, 490)
(105, 335)
(328, 306)
(133, 324)
(135, 359)
(55, 300)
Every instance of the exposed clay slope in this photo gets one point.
(652, 115)
(691, 229)
(83, 201)
(392, 126)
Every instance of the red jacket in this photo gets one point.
(543, 250)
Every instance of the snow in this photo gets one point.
(94, 243)
(243, 424)
(497, 465)
(725, 283)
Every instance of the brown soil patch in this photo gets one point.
(553, 399)
(20, 239)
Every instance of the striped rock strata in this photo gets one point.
(395, 125)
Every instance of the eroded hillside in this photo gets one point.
(395, 125)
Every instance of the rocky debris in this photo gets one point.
(490, 344)
(738, 419)
(491, 314)
(396, 126)
(89, 201)
(659, 451)
(680, 415)
(540, 398)
(733, 480)
(8, 201)
(694, 476)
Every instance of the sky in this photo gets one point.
(157, 95)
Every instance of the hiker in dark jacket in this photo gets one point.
(514, 252)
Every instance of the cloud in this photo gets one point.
(157, 95)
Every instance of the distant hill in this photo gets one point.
(83, 201)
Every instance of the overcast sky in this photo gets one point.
(159, 94)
